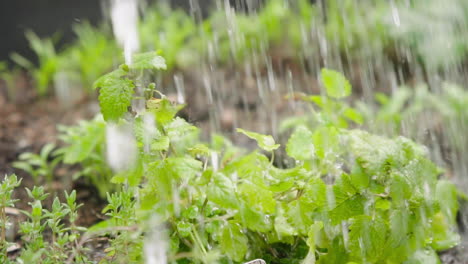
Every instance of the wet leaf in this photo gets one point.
(336, 85)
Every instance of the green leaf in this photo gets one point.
(281, 225)
(367, 237)
(424, 256)
(259, 197)
(163, 109)
(348, 202)
(184, 228)
(299, 215)
(221, 191)
(353, 115)
(311, 241)
(446, 195)
(300, 146)
(350, 207)
(336, 85)
(148, 60)
(233, 242)
(325, 140)
(46, 150)
(442, 235)
(200, 149)
(315, 193)
(115, 94)
(265, 142)
(253, 219)
(82, 140)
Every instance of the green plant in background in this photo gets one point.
(433, 30)
(85, 145)
(85, 56)
(48, 61)
(172, 32)
(329, 109)
(38, 165)
(9, 77)
(358, 25)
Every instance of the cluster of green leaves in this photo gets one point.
(48, 235)
(350, 197)
(38, 165)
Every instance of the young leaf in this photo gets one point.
(325, 141)
(221, 191)
(115, 95)
(265, 142)
(366, 238)
(300, 146)
(163, 109)
(336, 85)
(148, 61)
(233, 242)
(311, 241)
(299, 216)
(259, 198)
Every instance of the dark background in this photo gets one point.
(48, 17)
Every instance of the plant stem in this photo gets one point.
(197, 240)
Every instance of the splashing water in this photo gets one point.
(124, 16)
(121, 147)
(155, 246)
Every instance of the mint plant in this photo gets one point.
(38, 165)
(350, 197)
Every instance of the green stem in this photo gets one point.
(196, 238)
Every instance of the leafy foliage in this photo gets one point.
(377, 193)
(349, 197)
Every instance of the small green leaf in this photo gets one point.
(221, 191)
(300, 146)
(184, 228)
(336, 85)
(265, 142)
(253, 219)
(424, 256)
(148, 60)
(353, 115)
(366, 238)
(325, 140)
(311, 241)
(163, 109)
(115, 94)
(233, 242)
(260, 198)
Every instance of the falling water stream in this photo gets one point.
(251, 94)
